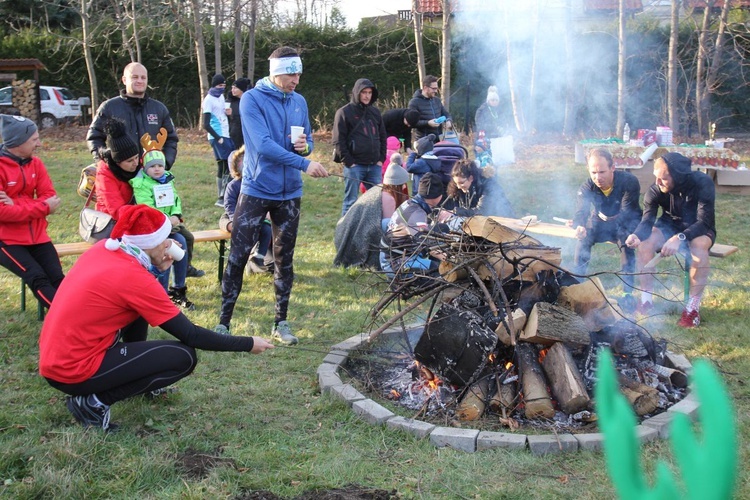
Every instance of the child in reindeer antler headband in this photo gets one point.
(155, 187)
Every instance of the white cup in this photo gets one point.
(175, 251)
(296, 132)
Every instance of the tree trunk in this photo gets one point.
(514, 97)
(674, 119)
(713, 73)
(622, 54)
(445, 67)
(120, 18)
(531, 116)
(218, 22)
(136, 37)
(200, 48)
(238, 45)
(251, 41)
(700, 86)
(88, 56)
(417, 18)
(571, 96)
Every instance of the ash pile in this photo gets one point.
(506, 336)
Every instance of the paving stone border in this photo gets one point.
(472, 440)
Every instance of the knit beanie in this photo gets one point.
(15, 130)
(425, 144)
(412, 117)
(397, 159)
(218, 79)
(242, 84)
(119, 142)
(492, 93)
(395, 174)
(431, 186)
(140, 226)
(154, 157)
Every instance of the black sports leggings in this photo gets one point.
(131, 368)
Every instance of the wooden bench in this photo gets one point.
(67, 249)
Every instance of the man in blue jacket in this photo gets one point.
(359, 137)
(271, 183)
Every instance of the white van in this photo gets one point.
(58, 104)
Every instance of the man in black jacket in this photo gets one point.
(607, 209)
(360, 140)
(687, 224)
(399, 122)
(141, 113)
(432, 113)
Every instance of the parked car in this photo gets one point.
(57, 104)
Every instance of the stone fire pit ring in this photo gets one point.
(473, 440)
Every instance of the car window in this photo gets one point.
(43, 94)
(6, 95)
(67, 94)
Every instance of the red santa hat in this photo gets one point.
(140, 226)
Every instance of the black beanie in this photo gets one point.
(411, 116)
(119, 141)
(425, 144)
(431, 186)
(217, 80)
(242, 84)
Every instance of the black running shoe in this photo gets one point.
(89, 415)
(192, 272)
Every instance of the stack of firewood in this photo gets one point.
(25, 98)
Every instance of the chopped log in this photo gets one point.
(673, 376)
(506, 336)
(589, 300)
(549, 323)
(452, 272)
(643, 398)
(565, 379)
(537, 401)
(504, 400)
(528, 262)
(473, 403)
(484, 227)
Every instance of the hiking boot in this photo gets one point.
(284, 331)
(192, 272)
(644, 308)
(88, 413)
(221, 329)
(627, 303)
(255, 265)
(689, 319)
(179, 298)
(220, 202)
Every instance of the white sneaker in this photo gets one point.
(284, 331)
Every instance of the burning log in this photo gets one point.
(508, 334)
(504, 399)
(473, 404)
(536, 398)
(565, 380)
(643, 398)
(455, 344)
(675, 377)
(549, 323)
(589, 300)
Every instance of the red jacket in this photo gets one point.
(111, 192)
(25, 221)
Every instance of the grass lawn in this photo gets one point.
(259, 422)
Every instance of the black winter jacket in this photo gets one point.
(621, 207)
(393, 119)
(429, 109)
(688, 207)
(141, 115)
(358, 131)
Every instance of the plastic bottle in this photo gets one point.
(626, 133)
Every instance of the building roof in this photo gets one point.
(718, 4)
(599, 5)
(20, 64)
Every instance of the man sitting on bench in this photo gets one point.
(687, 224)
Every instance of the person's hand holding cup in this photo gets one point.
(296, 132)
(175, 251)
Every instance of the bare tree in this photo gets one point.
(251, 42)
(238, 45)
(445, 66)
(200, 47)
(621, 59)
(87, 54)
(416, 16)
(122, 24)
(515, 101)
(708, 76)
(218, 25)
(571, 108)
(672, 105)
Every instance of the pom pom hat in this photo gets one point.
(140, 226)
(15, 130)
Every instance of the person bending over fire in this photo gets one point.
(687, 224)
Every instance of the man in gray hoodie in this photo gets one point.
(360, 140)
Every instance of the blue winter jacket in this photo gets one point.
(272, 169)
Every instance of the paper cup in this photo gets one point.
(296, 132)
(175, 251)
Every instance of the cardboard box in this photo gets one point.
(733, 182)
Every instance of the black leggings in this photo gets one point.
(131, 368)
(38, 265)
